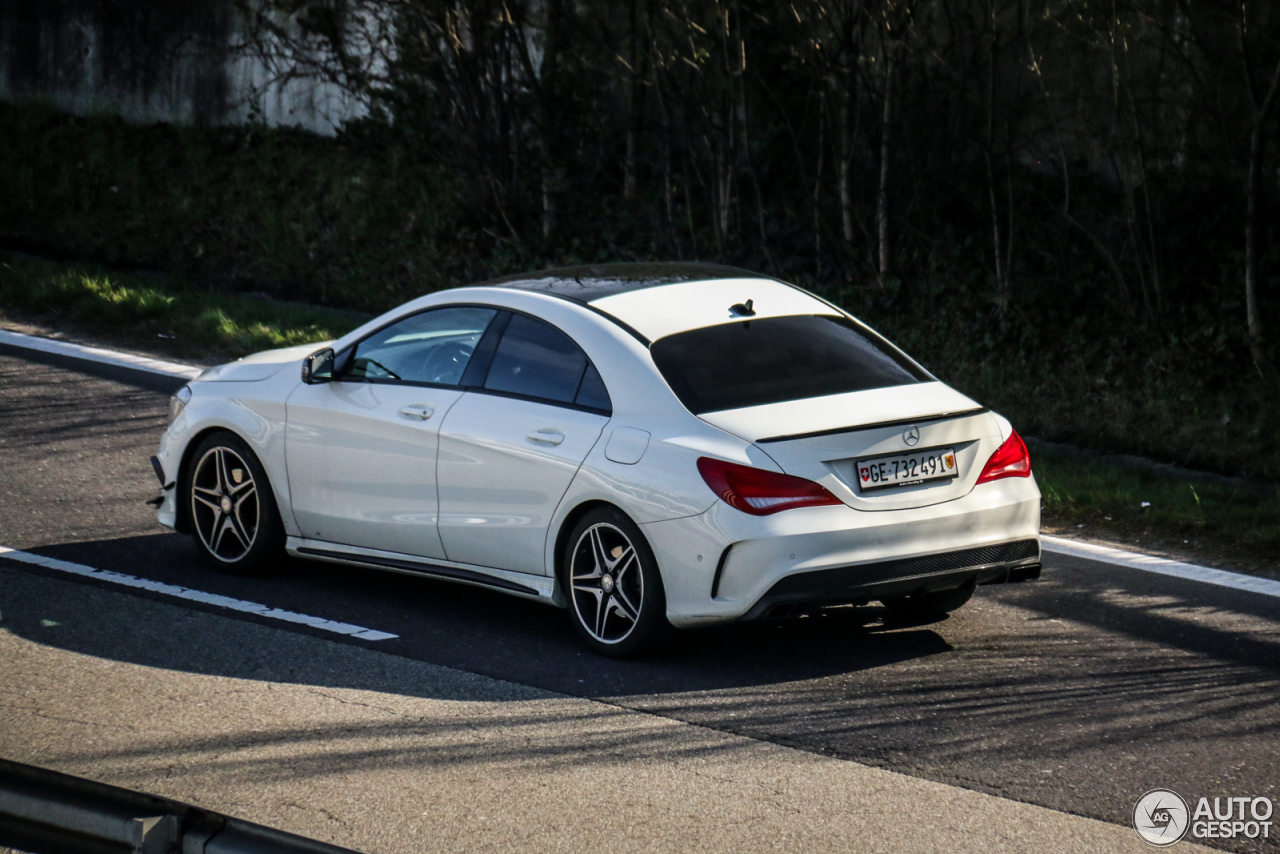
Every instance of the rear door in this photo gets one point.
(512, 444)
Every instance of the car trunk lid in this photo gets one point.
(824, 438)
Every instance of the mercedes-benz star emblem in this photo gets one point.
(912, 436)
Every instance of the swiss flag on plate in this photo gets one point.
(865, 473)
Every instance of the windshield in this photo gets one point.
(755, 362)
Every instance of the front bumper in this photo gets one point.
(166, 464)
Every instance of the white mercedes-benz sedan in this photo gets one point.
(647, 446)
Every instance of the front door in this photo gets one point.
(361, 450)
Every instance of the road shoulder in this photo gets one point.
(386, 754)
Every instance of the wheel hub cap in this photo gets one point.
(607, 583)
(224, 504)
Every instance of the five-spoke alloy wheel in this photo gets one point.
(233, 515)
(616, 600)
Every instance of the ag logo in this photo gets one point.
(911, 436)
(1161, 817)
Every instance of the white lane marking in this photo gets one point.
(98, 354)
(1162, 566)
(196, 595)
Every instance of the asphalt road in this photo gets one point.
(1078, 693)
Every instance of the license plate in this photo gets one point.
(906, 469)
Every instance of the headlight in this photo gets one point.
(178, 401)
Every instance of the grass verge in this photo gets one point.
(1206, 519)
(161, 313)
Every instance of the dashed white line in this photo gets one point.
(98, 354)
(1161, 566)
(196, 595)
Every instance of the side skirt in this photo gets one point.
(536, 587)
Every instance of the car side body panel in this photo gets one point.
(361, 472)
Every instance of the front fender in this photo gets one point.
(248, 410)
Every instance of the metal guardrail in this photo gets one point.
(46, 812)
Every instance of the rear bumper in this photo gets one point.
(724, 565)
(1016, 561)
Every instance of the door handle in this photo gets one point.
(417, 410)
(546, 437)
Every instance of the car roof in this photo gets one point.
(592, 282)
(658, 299)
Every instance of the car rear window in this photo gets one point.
(773, 359)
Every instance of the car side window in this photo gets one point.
(534, 359)
(430, 347)
(592, 393)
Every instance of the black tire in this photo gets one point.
(928, 606)
(234, 519)
(610, 578)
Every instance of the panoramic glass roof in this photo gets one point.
(590, 283)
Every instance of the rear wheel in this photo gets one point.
(616, 601)
(929, 606)
(234, 520)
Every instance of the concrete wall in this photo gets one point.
(152, 61)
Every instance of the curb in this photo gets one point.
(110, 364)
(99, 354)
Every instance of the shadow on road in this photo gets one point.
(1077, 692)
(477, 630)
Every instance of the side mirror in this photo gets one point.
(318, 367)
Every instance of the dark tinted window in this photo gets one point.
(537, 360)
(592, 393)
(432, 347)
(777, 358)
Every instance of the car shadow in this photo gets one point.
(475, 629)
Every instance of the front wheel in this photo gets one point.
(234, 519)
(616, 601)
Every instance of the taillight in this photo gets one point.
(761, 492)
(1010, 460)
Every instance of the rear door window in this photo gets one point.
(774, 359)
(536, 360)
